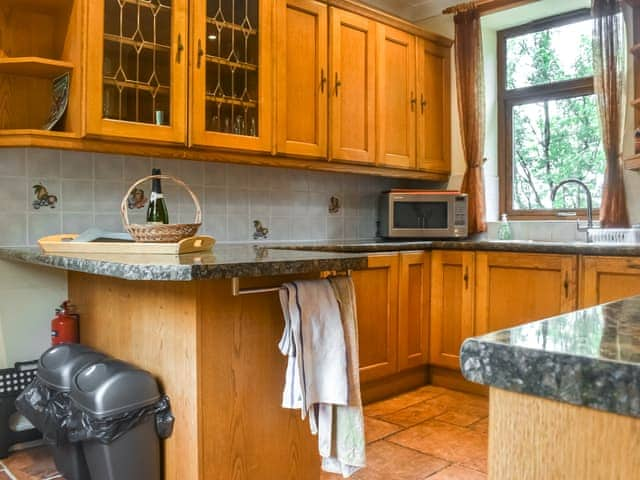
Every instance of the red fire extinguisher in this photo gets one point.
(64, 327)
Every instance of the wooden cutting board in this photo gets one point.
(63, 243)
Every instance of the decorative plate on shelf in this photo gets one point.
(59, 101)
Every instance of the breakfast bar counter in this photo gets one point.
(215, 354)
(564, 393)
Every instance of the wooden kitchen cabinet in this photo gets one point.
(434, 107)
(516, 288)
(377, 308)
(452, 301)
(231, 101)
(413, 309)
(605, 279)
(302, 78)
(352, 47)
(137, 76)
(396, 98)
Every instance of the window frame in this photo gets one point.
(507, 99)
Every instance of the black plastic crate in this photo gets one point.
(12, 382)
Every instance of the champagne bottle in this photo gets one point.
(157, 211)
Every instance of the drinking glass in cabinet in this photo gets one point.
(231, 62)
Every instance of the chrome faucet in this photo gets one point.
(589, 203)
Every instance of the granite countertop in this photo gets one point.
(225, 261)
(523, 246)
(589, 358)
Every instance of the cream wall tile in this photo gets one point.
(14, 194)
(335, 228)
(13, 162)
(76, 196)
(238, 227)
(42, 224)
(136, 168)
(43, 163)
(14, 229)
(192, 173)
(108, 196)
(237, 201)
(215, 174)
(259, 204)
(280, 228)
(108, 167)
(76, 222)
(77, 165)
(215, 200)
(109, 222)
(237, 176)
(216, 226)
(301, 228)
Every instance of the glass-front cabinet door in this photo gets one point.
(232, 68)
(137, 69)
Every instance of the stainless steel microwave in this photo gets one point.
(423, 214)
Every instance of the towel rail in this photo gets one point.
(236, 291)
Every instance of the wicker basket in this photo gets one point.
(161, 233)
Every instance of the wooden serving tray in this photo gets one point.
(63, 244)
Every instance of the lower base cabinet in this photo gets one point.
(605, 279)
(392, 298)
(516, 288)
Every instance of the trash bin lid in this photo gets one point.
(110, 387)
(58, 365)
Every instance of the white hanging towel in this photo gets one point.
(322, 380)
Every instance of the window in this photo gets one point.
(549, 126)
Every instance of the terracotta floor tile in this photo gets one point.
(481, 426)
(480, 464)
(377, 429)
(456, 472)
(32, 464)
(403, 401)
(4, 476)
(460, 418)
(391, 461)
(414, 414)
(443, 440)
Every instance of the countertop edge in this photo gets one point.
(601, 384)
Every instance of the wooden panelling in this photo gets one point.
(352, 83)
(302, 78)
(154, 326)
(516, 288)
(413, 309)
(217, 358)
(605, 279)
(434, 107)
(245, 434)
(396, 98)
(452, 292)
(532, 438)
(377, 307)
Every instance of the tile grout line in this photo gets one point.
(7, 471)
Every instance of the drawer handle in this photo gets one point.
(423, 103)
(323, 80)
(414, 100)
(635, 266)
(466, 278)
(338, 84)
(566, 287)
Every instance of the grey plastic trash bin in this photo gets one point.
(116, 403)
(46, 404)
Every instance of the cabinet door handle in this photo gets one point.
(423, 103)
(414, 100)
(338, 83)
(466, 278)
(566, 286)
(200, 53)
(323, 80)
(180, 49)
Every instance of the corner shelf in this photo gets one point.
(34, 67)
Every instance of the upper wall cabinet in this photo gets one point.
(434, 107)
(352, 46)
(396, 98)
(231, 103)
(302, 78)
(137, 76)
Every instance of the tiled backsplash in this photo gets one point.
(292, 204)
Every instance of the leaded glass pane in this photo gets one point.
(137, 61)
(231, 59)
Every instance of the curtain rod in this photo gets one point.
(485, 6)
